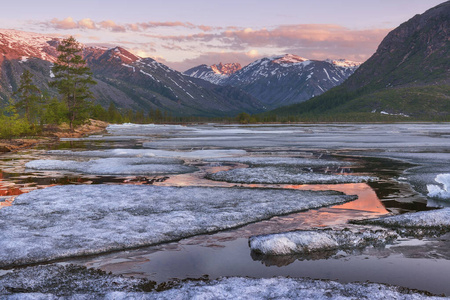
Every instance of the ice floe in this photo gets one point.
(195, 154)
(441, 192)
(433, 219)
(71, 282)
(53, 281)
(72, 220)
(277, 175)
(114, 166)
(281, 161)
(306, 241)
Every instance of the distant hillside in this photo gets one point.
(281, 80)
(408, 76)
(125, 79)
(215, 74)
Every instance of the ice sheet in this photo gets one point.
(64, 221)
(443, 191)
(53, 282)
(306, 241)
(113, 166)
(281, 161)
(439, 218)
(195, 154)
(277, 175)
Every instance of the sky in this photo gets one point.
(187, 33)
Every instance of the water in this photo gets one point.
(419, 264)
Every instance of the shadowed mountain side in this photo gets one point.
(408, 76)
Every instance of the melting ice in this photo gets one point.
(64, 221)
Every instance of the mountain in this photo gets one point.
(215, 73)
(122, 77)
(282, 80)
(409, 75)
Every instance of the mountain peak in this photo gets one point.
(226, 69)
(289, 59)
(15, 44)
(342, 62)
(123, 55)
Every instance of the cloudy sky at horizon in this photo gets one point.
(183, 34)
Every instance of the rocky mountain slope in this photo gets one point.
(216, 74)
(282, 80)
(409, 75)
(123, 78)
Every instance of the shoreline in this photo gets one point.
(52, 136)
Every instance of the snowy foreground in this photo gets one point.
(434, 219)
(307, 241)
(71, 282)
(65, 221)
(114, 166)
(441, 191)
(195, 154)
(278, 175)
(282, 161)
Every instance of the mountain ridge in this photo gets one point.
(408, 75)
(123, 78)
(283, 79)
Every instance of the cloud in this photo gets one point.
(111, 25)
(70, 23)
(307, 35)
(87, 23)
(67, 23)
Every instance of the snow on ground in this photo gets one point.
(145, 129)
(195, 154)
(72, 220)
(442, 192)
(70, 282)
(114, 166)
(281, 161)
(306, 241)
(52, 281)
(278, 175)
(433, 219)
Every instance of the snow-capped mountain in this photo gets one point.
(122, 77)
(283, 80)
(215, 73)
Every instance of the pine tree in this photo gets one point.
(28, 94)
(72, 79)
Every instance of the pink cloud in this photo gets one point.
(67, 23)
(111, 25)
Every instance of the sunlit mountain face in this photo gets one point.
(280, 80)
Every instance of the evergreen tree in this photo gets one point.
(29, 96)
(72, 79)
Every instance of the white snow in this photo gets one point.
(113, 166)
(71, 282)
(439, 218)
(278, 175)
(344, 63)
(306, 241)
(73, 220)
(280, 161)
(147, 74)
(437, 191)
(195, 154)
(325, 70)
